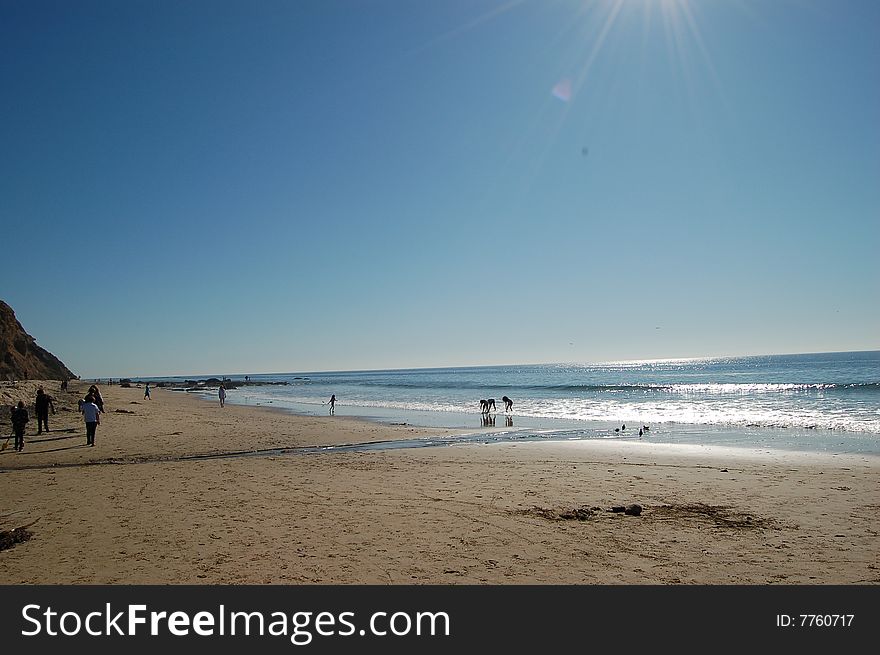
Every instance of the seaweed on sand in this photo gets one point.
(8, 538)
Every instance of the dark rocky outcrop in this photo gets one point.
(20, 356)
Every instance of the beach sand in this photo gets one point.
(130, 510)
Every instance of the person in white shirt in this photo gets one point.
(92, 415)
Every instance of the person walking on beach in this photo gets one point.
(147, 392)
(222, 394)
(19, 421)
(508, 403)
(333, 404)
(95, 393)
(92, 415)
(42, 404)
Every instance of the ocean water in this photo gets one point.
(823, 402)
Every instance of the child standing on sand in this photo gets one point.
(222, 395)
(147, 392)
(92, 415)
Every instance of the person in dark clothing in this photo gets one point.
(19, 420)
(96, 397)
(42, 405)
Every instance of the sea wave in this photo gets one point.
(677, 387)
(614, 411)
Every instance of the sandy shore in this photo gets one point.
(130, 510)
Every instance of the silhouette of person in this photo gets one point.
(42, 404)
(333, 404)
(19, 421)
(484, 406)
(147, 392)
(508, 403)
(490, 403)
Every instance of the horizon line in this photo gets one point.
(475, 366)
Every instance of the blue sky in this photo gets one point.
(241, 187)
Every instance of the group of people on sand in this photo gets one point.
(487, 406)
(90, 407)
(20, 417)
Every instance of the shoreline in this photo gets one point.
(781, 438)
(462, 514)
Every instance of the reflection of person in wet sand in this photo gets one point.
(508, 421)
(508, 403)
(487, 420)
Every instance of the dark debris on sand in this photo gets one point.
(574, 514)
(8, 538)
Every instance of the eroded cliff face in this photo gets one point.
(20, 356)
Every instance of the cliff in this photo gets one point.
(20, 356)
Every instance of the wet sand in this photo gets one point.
(134, 510)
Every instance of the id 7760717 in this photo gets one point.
(814, 620)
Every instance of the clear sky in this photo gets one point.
(219, 187)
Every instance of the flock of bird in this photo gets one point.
(642, 429)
